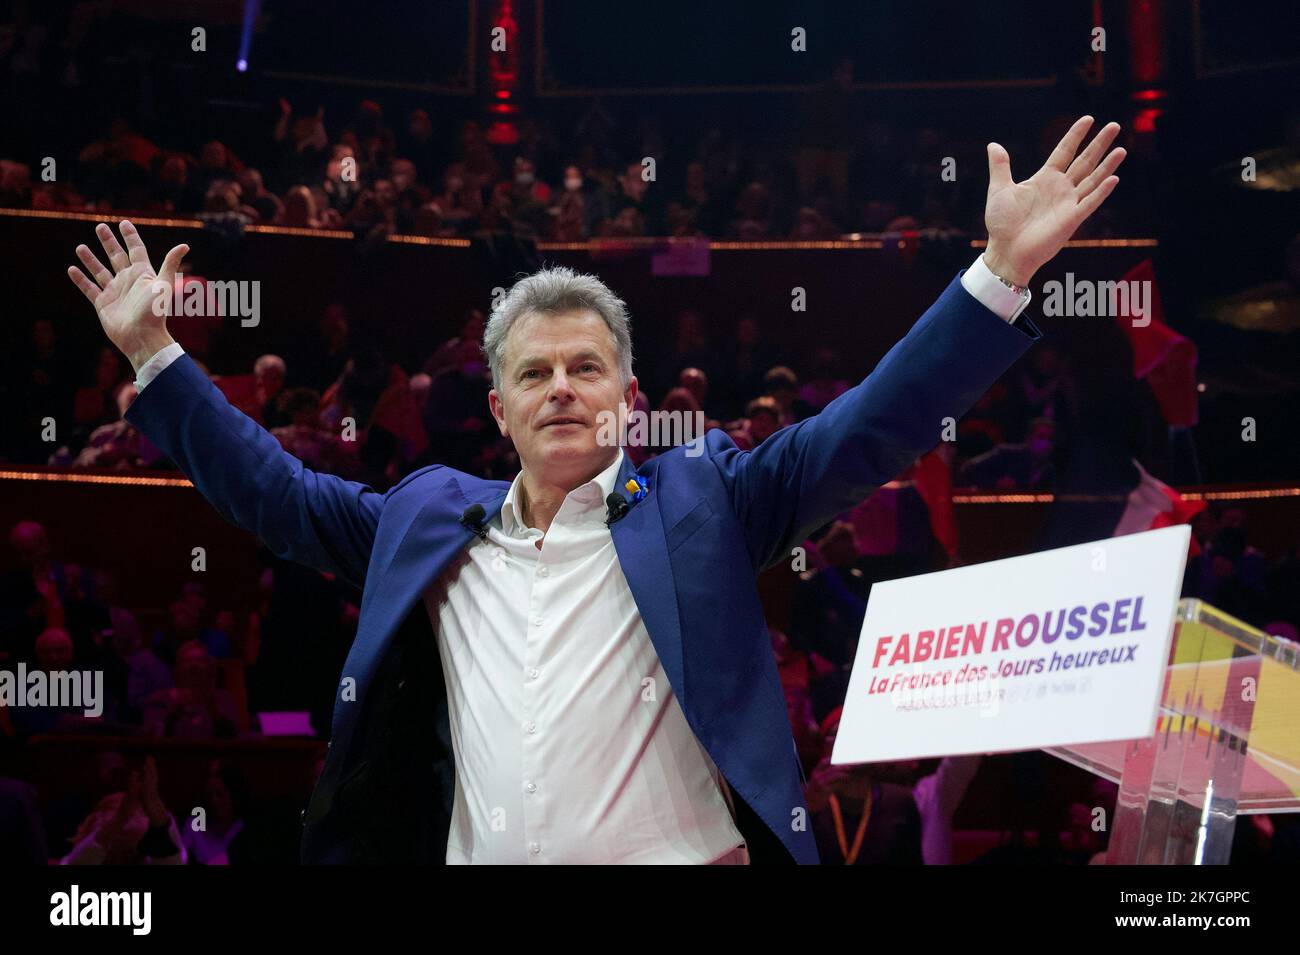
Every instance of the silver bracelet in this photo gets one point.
(1020, 290)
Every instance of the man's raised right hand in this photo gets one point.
(132, 300)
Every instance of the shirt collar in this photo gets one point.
(581, 500)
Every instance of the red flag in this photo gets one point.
(1166, 359)
(934, 483)
(1154, 504)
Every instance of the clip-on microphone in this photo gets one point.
(472, 519)
(617, 508)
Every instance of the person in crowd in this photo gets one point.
(873, 814)
(132, 672)
(268, 375)
(689, 348)
(577, 208)
(55, 656)
(118, 445)
(256, 198)
(129, 827)
(1026, 466)
(830, 597)
(320, 359)
(762, 419)
(303, 437)
(824, 384)
(41, 593)
(781, 384)
(185, 624)
(680, 421)
(207, 838)
(1229, 573)
(456, 417)
(449, 352)
(97, 404)
(744, 362)
(635, 204)
(195, 706)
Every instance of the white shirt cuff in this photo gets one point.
(154, 366)
(985, 288)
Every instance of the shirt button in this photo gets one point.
(534, 848)
(531, 787)
(530, 727)
(544, 571)
(537, 621)
(534, 673)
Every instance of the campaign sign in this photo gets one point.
(1051, 649)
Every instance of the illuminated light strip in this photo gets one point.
(430, 240)
(1242, 495)
(853, 240)
(118, 216)
(107, 216)
(1092, 243)
(726, 246)
(94, 479)
(1003, 498)
(298, 230)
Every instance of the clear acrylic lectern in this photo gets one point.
(1227, 741)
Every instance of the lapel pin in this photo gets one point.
(637, 487)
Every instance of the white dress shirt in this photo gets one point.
(570, 744)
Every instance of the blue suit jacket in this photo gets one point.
(690, 550)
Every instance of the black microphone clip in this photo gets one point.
(472, 520)
(616, 508)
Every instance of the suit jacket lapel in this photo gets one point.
(642, 551)
(432, 538)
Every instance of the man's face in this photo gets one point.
(561, 366)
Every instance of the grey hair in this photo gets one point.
(551, 291)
